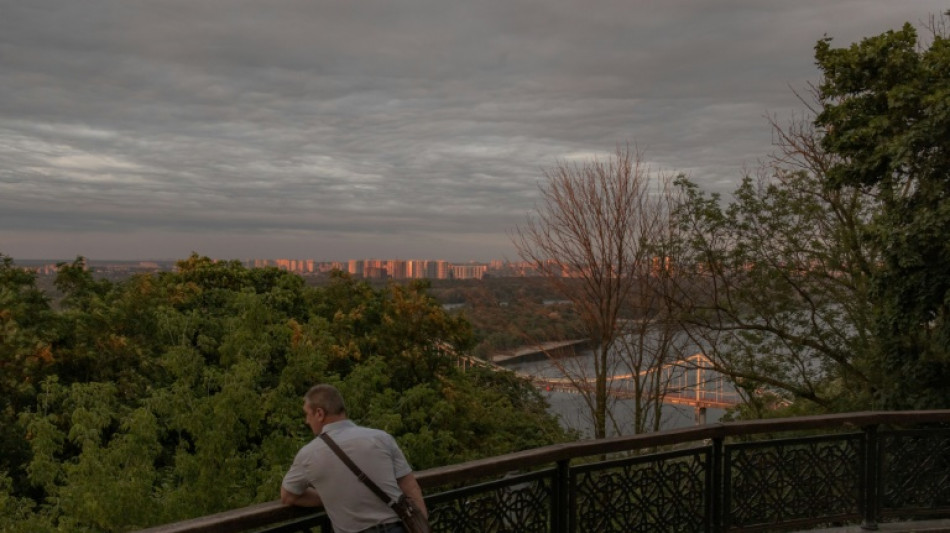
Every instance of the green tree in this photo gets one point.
(180, 393)
(885, 112)
(774, 290)
(825, 283)
(27, 324)
(211, 426)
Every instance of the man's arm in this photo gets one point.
(309, 498)
(410, 487)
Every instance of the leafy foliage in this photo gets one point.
(826, 281)
(886, 114)
(174, 395)
(780, 301)
(508, 313)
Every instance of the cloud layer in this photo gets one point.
(410, 128)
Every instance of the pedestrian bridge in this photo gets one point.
(869, 470)
(692, 381)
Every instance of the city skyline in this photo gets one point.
(239, 129)
(369, 268)
(270, 261)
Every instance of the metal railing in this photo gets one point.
(763, 475)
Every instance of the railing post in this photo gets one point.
(871, 478)
(560, 521)
(716, 489)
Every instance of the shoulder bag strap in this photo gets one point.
(356, 470)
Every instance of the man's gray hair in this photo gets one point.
(325, 397)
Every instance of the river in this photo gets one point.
(572, 410)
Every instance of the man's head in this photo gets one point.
(323, 404)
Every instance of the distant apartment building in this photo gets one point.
(469, 271)
(326, 267)
(375, 272)
(521, 268)
(43, 270)
(396, 269)
(375, 269)
(442, 269)
(417, 269)
(661, 265)
(300, 266)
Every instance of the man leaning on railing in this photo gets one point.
(319, 475)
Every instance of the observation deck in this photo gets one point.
(887, 471)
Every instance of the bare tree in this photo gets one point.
(593, 238)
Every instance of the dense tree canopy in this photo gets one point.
(780, 298)
(179, 394)
(509, 313)
(886, 115)
(826, 280)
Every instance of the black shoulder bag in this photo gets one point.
(410, 515)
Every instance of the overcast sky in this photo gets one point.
(133, 129)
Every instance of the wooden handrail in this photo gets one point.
(273, 512)
(557, 452)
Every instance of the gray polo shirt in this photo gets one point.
(352, 507)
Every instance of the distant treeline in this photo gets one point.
(507, 313)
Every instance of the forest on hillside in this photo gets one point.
(171, 395)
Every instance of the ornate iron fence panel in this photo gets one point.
(515, 504)
(793, 482)
(915, 472)
(661, 492)
(718, 486)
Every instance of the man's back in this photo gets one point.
(320, 477)
(350, 504)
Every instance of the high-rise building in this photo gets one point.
(396, 268)
(416, 269)
(443, 269)
(469, 271)
(374, 272)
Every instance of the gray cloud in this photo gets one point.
(329, 129)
